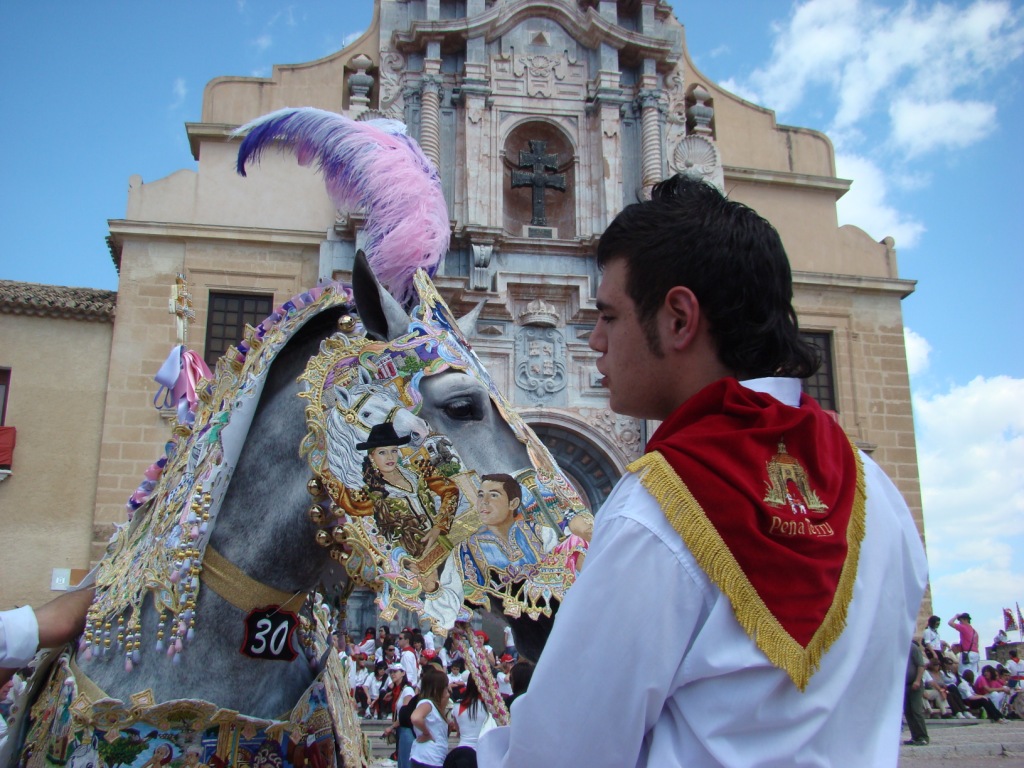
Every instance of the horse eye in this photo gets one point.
(463, 409)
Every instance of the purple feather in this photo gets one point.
(384, 172)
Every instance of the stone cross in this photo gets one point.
(180, 305)
(538, 177)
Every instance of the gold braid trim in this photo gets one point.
(241, 590)
(710, 551)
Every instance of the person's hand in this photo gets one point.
(915, 685)
(431, 539)
(583, 526)
(62, 619)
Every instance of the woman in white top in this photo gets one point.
(428, 722)
(470, 716)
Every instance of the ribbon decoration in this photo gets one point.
(178, 378)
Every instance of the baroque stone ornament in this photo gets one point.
(540, 362)
(623, 431)
(392, 102)
(697, 157)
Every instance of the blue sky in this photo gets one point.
(923, 102)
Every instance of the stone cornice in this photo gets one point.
(838, 187)
(589, 28)
(858, 283)
(198, 132)
(121, 228)
(40, 300)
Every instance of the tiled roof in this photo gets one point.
(57, 301)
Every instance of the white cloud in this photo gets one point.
(970, 452)
(862, 56)
(894, 81)
(920, 127)
(918, 351)
(865, 204)
(179, 91)
(263, 42)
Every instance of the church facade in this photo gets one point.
(545, 119)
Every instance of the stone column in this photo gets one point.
(430, 115)
(650, 142)
(430, 119)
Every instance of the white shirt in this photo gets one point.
(1015, 667)
(694, 688)
(931, 639)
(411, 667)
(19, 637)
(504, 686)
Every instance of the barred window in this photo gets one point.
(227, 317)
(821, 386)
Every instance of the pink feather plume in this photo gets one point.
(368, 165)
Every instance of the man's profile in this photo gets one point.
(775, 569)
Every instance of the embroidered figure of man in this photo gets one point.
(504, 556)
(809, 618)
(505, 539)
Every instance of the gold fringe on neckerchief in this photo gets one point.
(701, 537)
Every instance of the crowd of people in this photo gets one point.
(949, 680)
(426, 692)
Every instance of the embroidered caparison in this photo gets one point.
(703, 540)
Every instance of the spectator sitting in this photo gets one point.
(975, 700)
(374, 688)
(1015, 667)
(930, 639)
(934, 692)
(359, 682)
(989, 685)
(1001, 638)
(951, 680)
(458, 679)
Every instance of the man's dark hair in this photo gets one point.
(508, 484)
(730, 257)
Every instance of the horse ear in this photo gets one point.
(382, 316)
(467, 323)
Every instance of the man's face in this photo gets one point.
(636, 379)
(403, 641)
(493, 504)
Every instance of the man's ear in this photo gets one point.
(513, 504)
(681, 317)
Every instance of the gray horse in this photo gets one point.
(264, 530)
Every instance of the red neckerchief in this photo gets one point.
(769, 499)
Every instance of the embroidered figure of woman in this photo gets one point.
(403, 500)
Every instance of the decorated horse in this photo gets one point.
(345, 441)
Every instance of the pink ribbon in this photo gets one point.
(178, 378)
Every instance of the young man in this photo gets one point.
(777, 572)
(407, 658)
